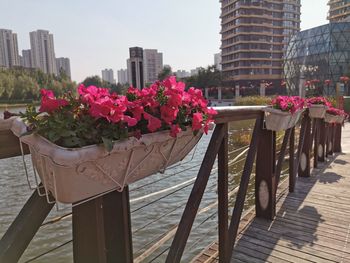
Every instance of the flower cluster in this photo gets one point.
(288, 104)
(336, 112)
(344, 79)
(318, 101)
(97, 115)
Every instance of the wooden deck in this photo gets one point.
(312, 224)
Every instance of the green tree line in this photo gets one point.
(20, 84)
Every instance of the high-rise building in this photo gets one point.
(217, 61)
(136, 68)
(108, 75)
(43, 51)
(123, 76)
(195, 71)
(339, 10)
(254, 36)
(26, 59)
(182, 74)
(63, 64)
(153, 64)
(9, 56)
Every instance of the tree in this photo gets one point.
(93, 81)
(166, 72)
(206, 78)
(23, 84)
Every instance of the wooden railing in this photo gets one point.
(102, 226)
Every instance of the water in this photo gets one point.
(165, 213)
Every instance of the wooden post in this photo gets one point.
(337, 138)
(292, 161)
(223, 198)
(330, 140)
(102, 229)
(265, 181)
(304, 162)
(316, 139)
(24, 227)
(322, 142)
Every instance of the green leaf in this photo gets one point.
(108, 143)
(67, 133)
(53, 136)
(71, 142)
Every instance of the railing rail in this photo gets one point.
(102, 226)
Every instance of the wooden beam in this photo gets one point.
(23, 228)
(102, 229)
(304, 159)
(265, 181)
(191, 209)
(337, 138)
(223, 199)
(243, 187)
(282, 155)
(292, 174)
(321, 149)
(10, 145)
(316, 139)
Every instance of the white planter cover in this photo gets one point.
(317, 111)
(329, 118)
(295, 118)
(277, 120)
(72, 175)
(340, 119)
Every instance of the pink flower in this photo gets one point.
(137, 134)
(131, 121)
(136, 111)
(49, 103)
(153, 123)
(174, 130)
(197, 121)
(168, 114)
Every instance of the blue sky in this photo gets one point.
(97, 34)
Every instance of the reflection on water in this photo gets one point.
(149, 222)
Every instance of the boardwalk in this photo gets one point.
(312, 224)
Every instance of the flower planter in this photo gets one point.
(295, 118)
(340, 119)
(317, 111)
(329, 118)
(72, 175)
(277, 120)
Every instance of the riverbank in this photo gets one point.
(10, 105)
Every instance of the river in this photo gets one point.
(149, 222)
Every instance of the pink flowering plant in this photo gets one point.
(99, 116)
(336, 112)
(318, 101)
(288, 104)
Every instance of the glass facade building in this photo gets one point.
(321, 53)
(254, 36)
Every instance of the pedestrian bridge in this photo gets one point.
(303, 217)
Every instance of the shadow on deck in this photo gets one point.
(311, 225)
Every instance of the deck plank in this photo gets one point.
(311, 225)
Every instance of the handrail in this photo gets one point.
(237, 113)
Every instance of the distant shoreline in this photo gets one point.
(16, 105)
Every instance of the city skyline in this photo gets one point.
(113, 33)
